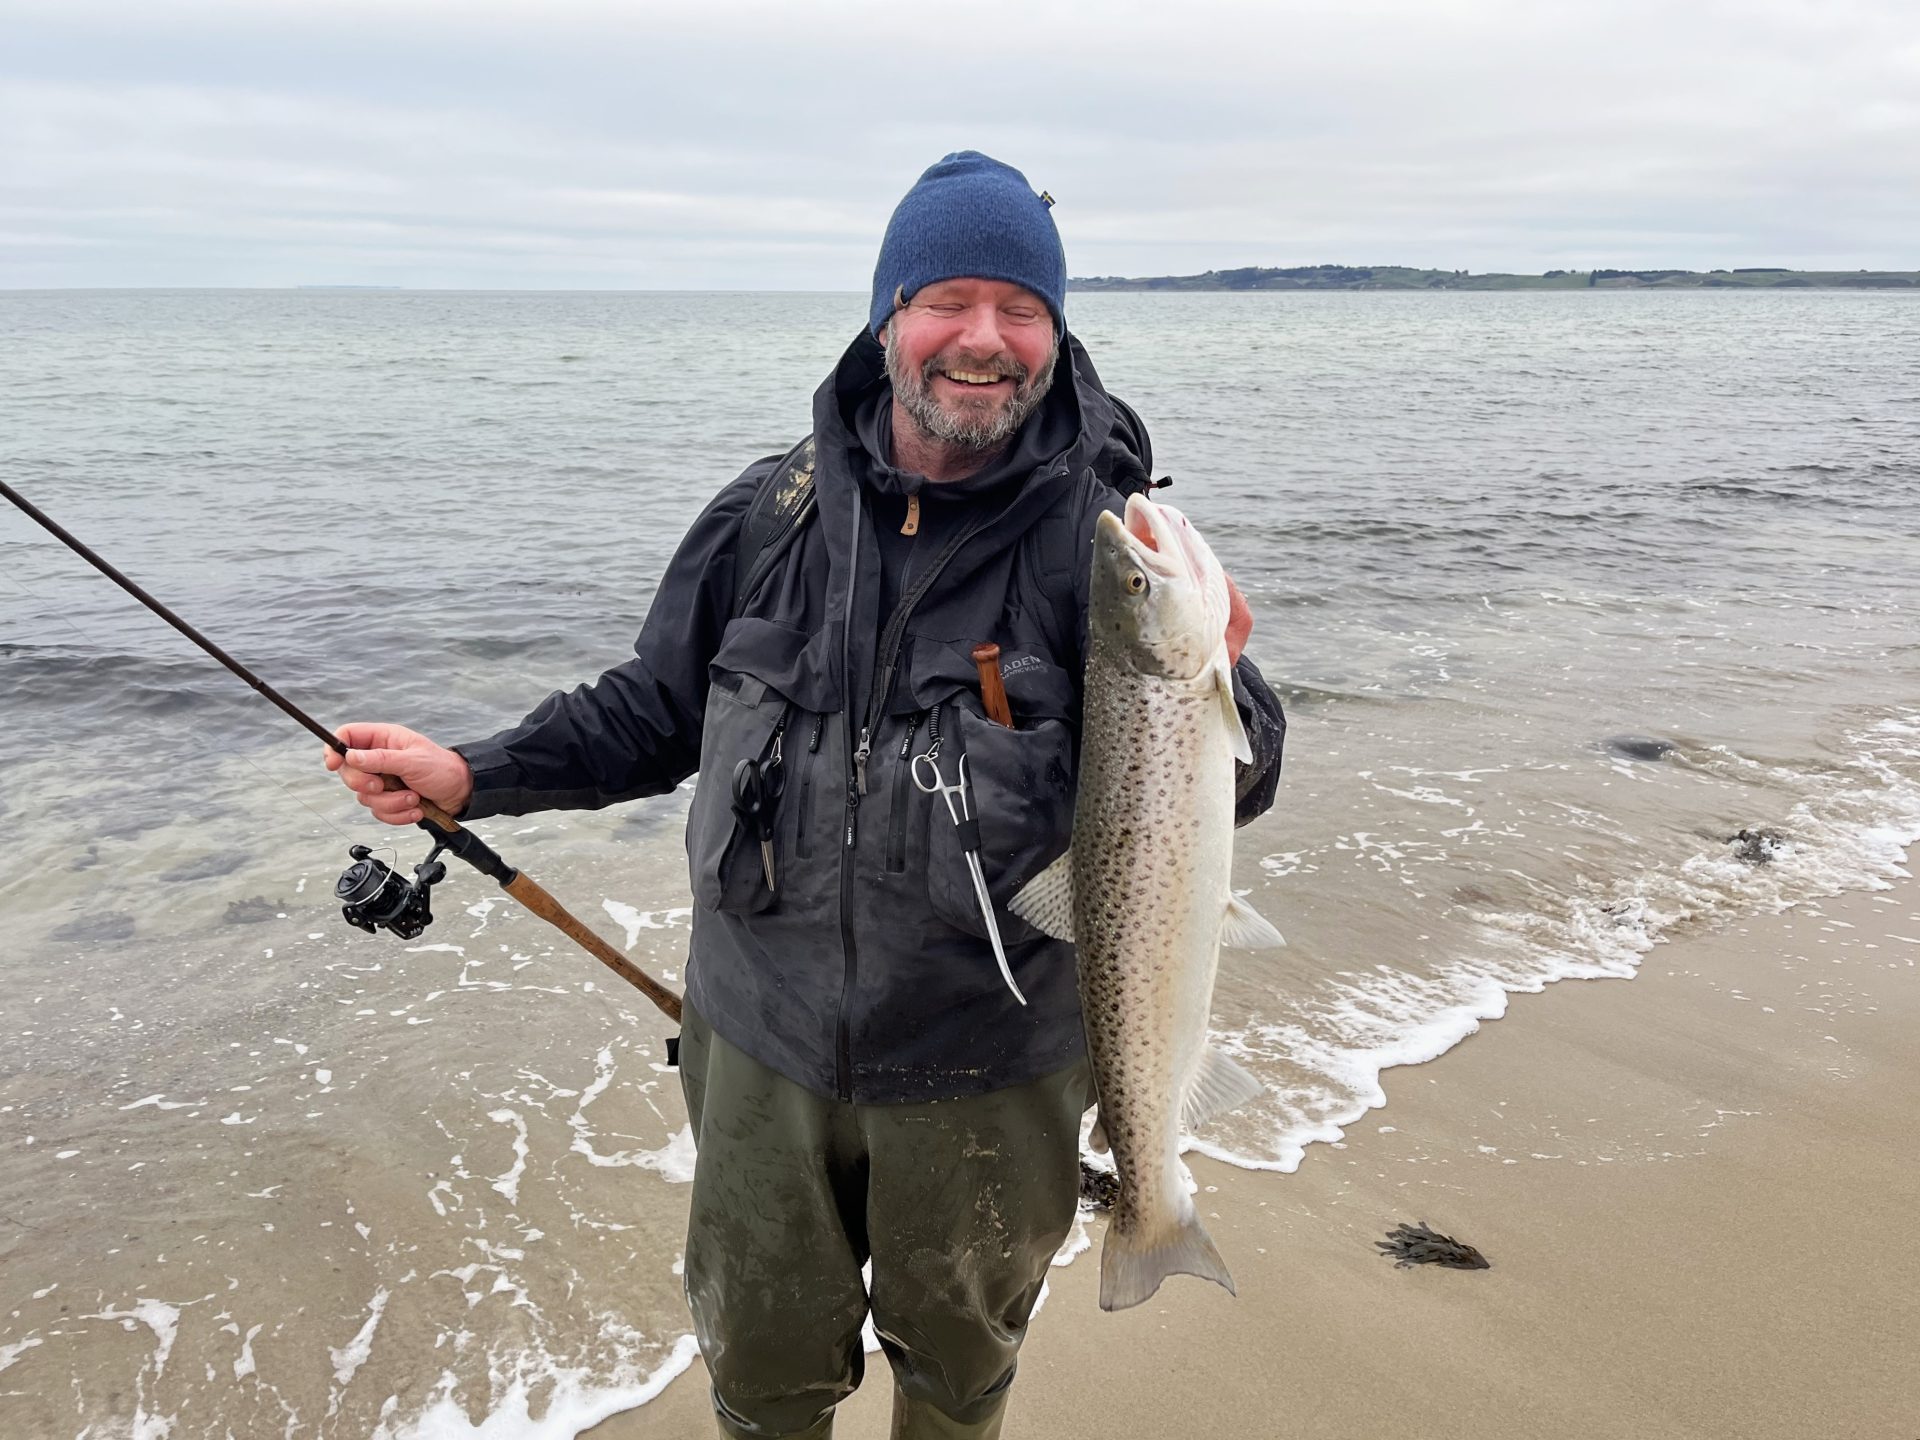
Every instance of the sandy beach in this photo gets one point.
(1696, 1189)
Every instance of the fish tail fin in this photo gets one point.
(1133, 1265)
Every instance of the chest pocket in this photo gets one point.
(770, 691)
(1020, 779)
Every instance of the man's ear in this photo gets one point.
(881, 333)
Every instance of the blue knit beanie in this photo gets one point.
(970, 216)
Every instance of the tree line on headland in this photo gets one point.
(1405, 277)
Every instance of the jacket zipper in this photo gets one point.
(801, 848)
(897, 819)
(856, 768)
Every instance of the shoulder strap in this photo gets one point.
(780, 507)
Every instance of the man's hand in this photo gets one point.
(1239, 621)
(422, 767)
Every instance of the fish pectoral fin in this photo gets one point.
(1046, 901)
(1245, 928)
(1236, 731)
(1218, 1086)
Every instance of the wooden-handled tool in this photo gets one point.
(993, 692)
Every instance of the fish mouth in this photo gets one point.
(1151, 536)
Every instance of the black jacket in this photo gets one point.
(868, 976)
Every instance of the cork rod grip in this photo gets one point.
(529, 894)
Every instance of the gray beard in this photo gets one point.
(979, 431)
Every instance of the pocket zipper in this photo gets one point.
(800, 846)
(897, 820)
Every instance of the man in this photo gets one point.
(862, 1084)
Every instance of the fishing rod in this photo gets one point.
(373, 895)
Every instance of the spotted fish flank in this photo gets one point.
(1144, 890)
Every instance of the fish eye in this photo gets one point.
(1136, 583)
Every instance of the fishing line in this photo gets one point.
(94, 644)
(375, 897)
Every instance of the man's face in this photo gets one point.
(970, 360)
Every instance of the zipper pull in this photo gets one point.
(912, 523)
(860, 754)
(819, 725)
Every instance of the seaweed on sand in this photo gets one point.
(1421, 1245)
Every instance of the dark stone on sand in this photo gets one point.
(1757, 847)
(107, 925)
(1639, 747)
(207, 867)
(253, 910)
(1421, 1245)
(1099, 1188)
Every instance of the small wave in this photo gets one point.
(1852, 832)
(501, 647)
(571, 1401)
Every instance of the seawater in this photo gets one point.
(265, 1175)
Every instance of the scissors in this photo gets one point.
(756, 790)
(934, 783)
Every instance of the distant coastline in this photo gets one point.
(1403, 277)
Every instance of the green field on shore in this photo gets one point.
(1404, 277)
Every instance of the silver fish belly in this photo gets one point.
(1152, 848)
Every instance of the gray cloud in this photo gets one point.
(762, 146)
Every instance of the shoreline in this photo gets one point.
(1692, 1188)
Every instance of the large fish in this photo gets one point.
(1145, 889)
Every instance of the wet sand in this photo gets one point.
(1697, 1190)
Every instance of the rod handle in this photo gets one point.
(528, 893)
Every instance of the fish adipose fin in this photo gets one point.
(1219, 1085)
(1245, 928)
(1046, 901)
(1132, 1266)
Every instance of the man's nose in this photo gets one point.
(981, 334)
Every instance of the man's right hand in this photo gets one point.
(423, 768)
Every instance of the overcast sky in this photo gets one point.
(658, 144)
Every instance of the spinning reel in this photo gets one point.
(374, 897)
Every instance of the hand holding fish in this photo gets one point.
(1239, 621)
(376, 751)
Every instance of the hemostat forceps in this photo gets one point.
(960, 808)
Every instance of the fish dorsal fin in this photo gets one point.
(1219, 1085)
(1223, 687)
(1245, 928)
(1046, 901)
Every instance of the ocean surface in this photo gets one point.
(1597, 617)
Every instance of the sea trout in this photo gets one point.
(1144, 891)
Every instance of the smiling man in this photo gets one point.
(863, 1085)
